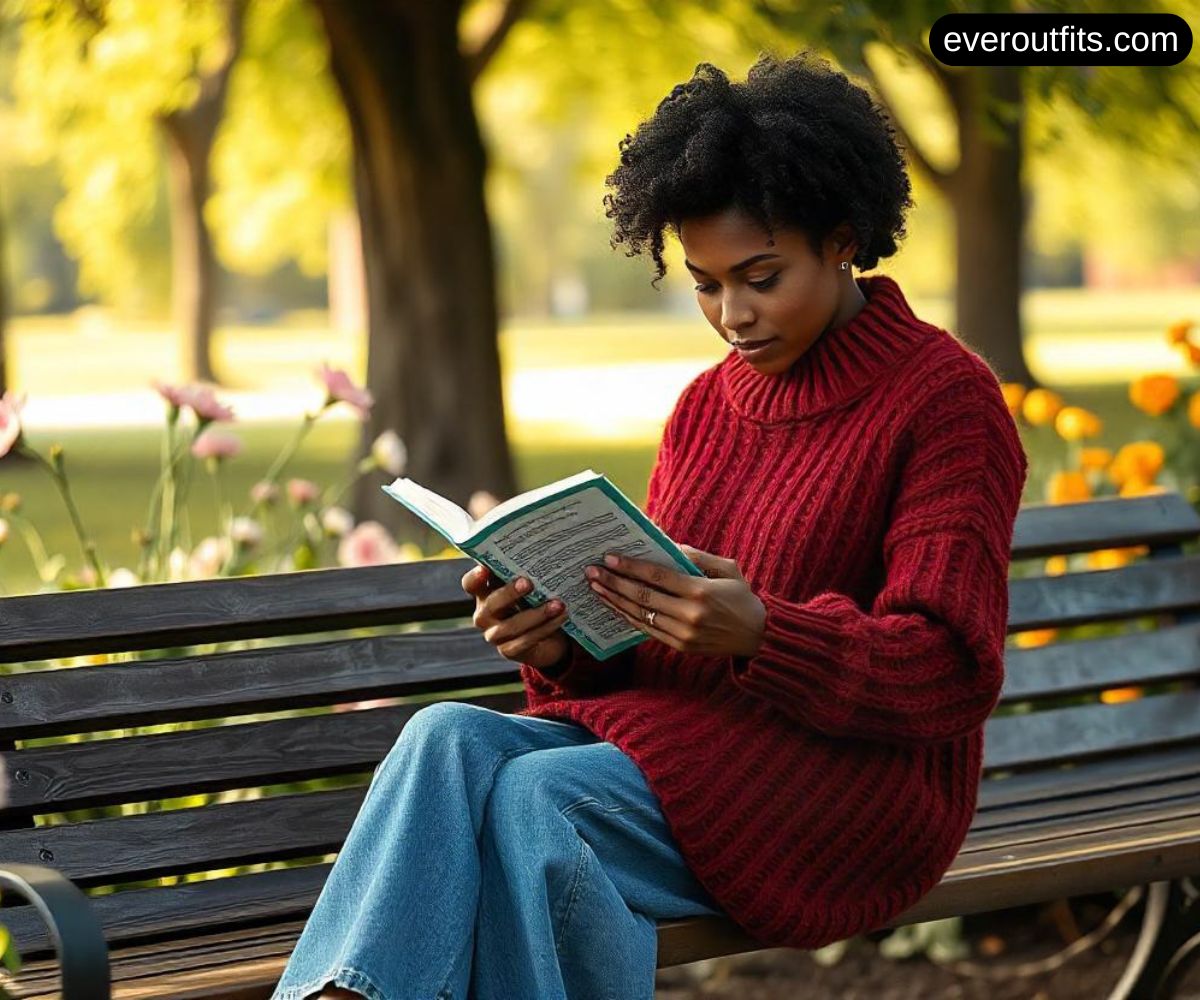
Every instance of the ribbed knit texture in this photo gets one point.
(820, 787)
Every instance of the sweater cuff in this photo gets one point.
(808, 639)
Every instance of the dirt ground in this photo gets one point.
(1013, 937)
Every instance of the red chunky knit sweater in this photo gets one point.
(820, 787)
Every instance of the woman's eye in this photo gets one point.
(766, 282)
(706, 288)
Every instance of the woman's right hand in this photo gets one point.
(526, 635)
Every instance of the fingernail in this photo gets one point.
(555, 607)
(522, 585)
(611, 560)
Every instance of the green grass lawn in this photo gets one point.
(112, 471)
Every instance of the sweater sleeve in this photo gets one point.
(926, 662)
(579, 673)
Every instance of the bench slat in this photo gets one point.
(39, 626)
(140, 693)
(1103, 523)
(1089, 730)
(1164, 585)
(142, 768)
(132, 848)
(1083, 665)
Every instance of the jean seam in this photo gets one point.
(359, 981)
(576, 885)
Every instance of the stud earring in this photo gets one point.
(845, 265)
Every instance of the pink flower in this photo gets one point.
(369, 544)
(204, 403)
(216, 444)
(176, 395)
(339, 388)
(208, 557)
(480, 503)
(389, 453)
(302, 491)
(10, 422)
(246, 531)
(264, 493)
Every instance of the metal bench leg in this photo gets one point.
(76, 933)
(1168, 944)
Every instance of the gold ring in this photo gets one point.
(650, 617)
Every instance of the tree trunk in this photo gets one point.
(990, 209)
(193, 266)
(433, 362)
(189, 134)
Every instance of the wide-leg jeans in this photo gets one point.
(497, 857)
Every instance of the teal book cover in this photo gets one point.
(550, 535)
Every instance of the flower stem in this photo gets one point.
(64, 489)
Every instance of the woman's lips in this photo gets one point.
(750, 347)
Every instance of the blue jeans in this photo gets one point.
(499, 857)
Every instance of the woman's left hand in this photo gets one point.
(715, 615)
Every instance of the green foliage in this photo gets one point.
(282, 159)
(91, 91)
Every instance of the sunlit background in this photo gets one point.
(592, 355)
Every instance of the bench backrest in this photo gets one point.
(178, 740)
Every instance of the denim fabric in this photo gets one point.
(497, 857)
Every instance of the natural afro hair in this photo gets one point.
(796, 145)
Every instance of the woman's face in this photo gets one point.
(750, 290)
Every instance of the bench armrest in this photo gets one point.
(76, 933)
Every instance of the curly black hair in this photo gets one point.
(796, 145)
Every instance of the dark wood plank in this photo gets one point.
(1089, 730)
(131, 848)
(124, 695)
(1166, 585)
(39, 626)
(171, 913)
(1082, 778)
(1104, 523)
(142, 768)
(1085, 665)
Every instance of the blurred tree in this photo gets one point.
(101, 80)
(419, 164)
(1128, 105)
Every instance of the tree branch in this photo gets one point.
(478, 60)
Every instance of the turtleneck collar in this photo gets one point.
(838, 367)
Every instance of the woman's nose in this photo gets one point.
(735, 313)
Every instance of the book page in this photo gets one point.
(554, 543)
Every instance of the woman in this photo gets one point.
(799, 745)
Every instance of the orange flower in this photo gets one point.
(1056, 565)
(1041, 406)
(1194, 410)
(1074, 423)
(1142, 460)
(1036, 637)
(1154, 394)
(1114, 558)
(1095, 458)
(1114, 696)
(1067, 487)
(1193, 353)
(1178, 333)
(1014, 395)
(1137, 487)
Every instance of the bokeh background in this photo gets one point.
(237, 191)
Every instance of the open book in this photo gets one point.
(550, 535)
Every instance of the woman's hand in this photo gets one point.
(528, 635)
(716, 616)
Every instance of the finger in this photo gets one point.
(501, 602)
(516, 625)
(661, 629)
(662, 578)
(640, 595)
(634, 613)
(476, 580)
(522, 644)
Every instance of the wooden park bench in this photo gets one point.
(1082, 796)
